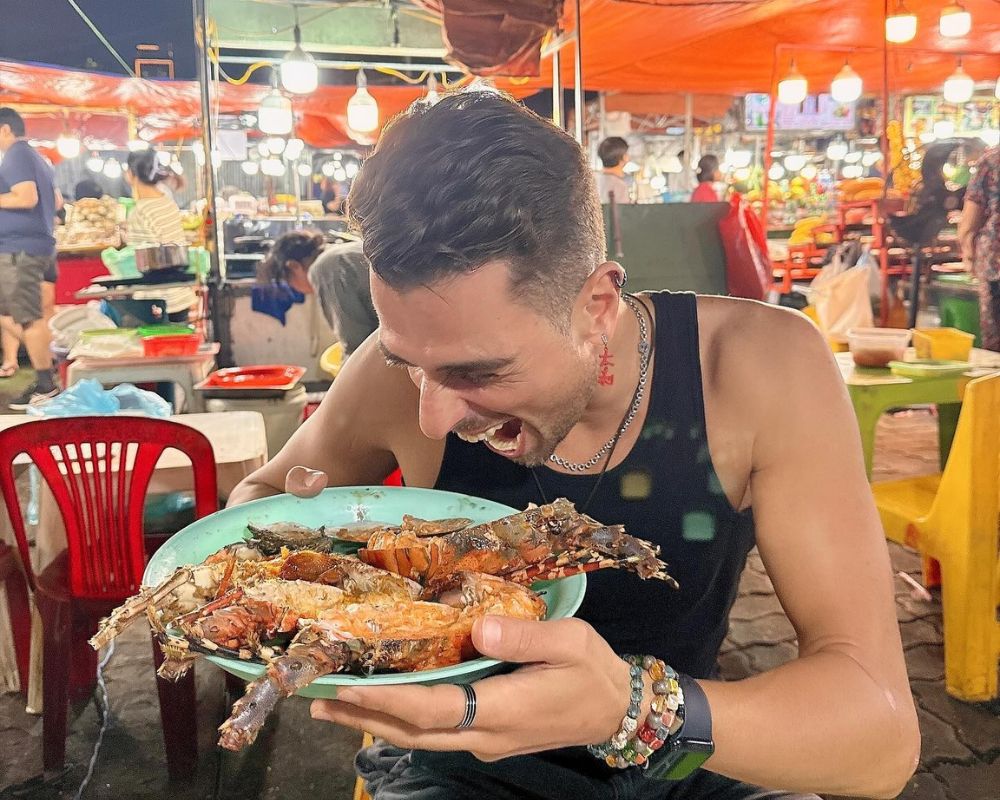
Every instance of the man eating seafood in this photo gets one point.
(511, 364)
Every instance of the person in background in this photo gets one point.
(333, 203)
(88, 187)
(708, 174)
(337, 273)
(156, 219)
(613, 153)
(979, 237)
(28, 202)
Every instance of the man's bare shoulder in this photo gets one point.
(752, 350)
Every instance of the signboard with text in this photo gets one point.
(816, 112)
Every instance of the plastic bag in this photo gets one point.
(111, 343)
(748, 265)
(88, 398)
(121, 263)
(842, 301)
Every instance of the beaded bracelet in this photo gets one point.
(634, 743)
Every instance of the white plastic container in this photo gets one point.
(282, 415)
(876, 347)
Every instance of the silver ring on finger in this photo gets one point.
(470, 706)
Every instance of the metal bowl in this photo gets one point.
(149, 258)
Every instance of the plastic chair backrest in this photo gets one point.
(100, 501)
(970, 482)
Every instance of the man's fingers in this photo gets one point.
(305, 482)
(525, 642)
(439, 707)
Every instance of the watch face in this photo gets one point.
(680, 760)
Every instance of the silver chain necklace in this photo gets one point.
(640, 390)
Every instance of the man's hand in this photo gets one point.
(573, 691)
(305, 482)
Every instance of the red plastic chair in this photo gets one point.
(102, 508)
(12, 581)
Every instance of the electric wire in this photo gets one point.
(100, 700)
(101, 37)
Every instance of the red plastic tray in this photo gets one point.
(273, 377)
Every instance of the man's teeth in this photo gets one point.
(496, 442)
(483, 435)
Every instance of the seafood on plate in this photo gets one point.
(542, 543)
(367, 637)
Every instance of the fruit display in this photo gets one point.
(904, 176)
(90, 223)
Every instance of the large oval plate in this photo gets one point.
(337, 507)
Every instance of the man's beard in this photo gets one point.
(566, 413)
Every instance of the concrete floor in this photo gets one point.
(299, 759)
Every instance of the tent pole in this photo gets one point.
(883, 256)
(688, 138)
(578, 76)
(772, 103)
(208, 182)
(557, 95)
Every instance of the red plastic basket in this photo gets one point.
(186, 344)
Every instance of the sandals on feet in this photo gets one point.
(8, 370)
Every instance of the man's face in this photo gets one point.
(486, 365)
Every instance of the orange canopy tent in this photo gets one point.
(171, 110)
(649, 46)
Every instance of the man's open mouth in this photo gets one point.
(504, 437)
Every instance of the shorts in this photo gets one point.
(21, 277)
(569, 774)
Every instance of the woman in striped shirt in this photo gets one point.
(155, 218)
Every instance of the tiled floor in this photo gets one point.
(299, 759)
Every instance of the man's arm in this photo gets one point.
(22, 196)
(840, 718)
(968, 226)
(348, 437)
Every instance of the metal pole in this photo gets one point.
(688, 138)
(578, 76)
(208, 178)
(557, 96)
(883, 255)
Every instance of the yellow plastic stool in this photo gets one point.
(953, 517)
(332, 359)
(359, 785)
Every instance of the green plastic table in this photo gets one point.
(875, 391)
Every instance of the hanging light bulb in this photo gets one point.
(836, 150)
(776, 172)
(794, 88)
(853, 171)
(351, 169)
(959, 86)
(739, 159)
(432, 95)
(795, 162)
(273, 167)
(847, 86)
(250, 167)
(658, 183)
(901, 25)
(112, 169)
(175, 165)
(943, 129)
(274, 116)
(362, 110)
(339, 174)
(95, 163)
(275, 145)
(955, 20)
(163, 157)
(338, 156)
(305, 170)
(809, 172)
(853, 157)
(262, 149)
(294, 148)
(68, 145)
(299, 73)
(328, 168)
(870, 158)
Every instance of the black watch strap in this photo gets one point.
(692, 745)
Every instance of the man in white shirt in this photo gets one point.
(613, 153)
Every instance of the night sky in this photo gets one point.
(51, 32)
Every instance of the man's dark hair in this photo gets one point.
(707, 167)
(87, 187)
(8, 116)
(146, 167)
(292, 246)
(477, 178)
(611, 151)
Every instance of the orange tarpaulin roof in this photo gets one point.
(680, 46)
(172, 109)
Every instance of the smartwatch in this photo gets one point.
(692, 745)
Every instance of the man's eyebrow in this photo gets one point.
(462, 367)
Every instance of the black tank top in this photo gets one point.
(665, 491)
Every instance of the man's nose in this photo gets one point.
(441, 409)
